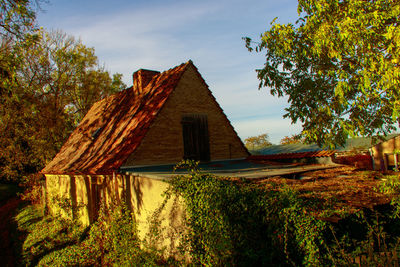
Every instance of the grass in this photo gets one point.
(40, 235)
(46, 240)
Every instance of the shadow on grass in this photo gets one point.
(22, 223)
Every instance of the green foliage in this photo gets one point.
(391, 186)
(16, 17)
(48, 83)
(110, 241)
(228, 223)
(338, 65)
(238, 223)
(257, 142)
(45, 233)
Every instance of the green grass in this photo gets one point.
(7, 191)
(53, 241)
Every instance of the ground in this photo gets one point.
(345, 188)
(7, 211)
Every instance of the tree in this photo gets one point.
(17, 22)
(66, 73)
(257, 142)
(53, 79)
(338, 65)
(294, 139)
(17, 17)
(16, 110)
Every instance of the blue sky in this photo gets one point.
(158, 35)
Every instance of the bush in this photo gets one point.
(33, 188)
(239, 223)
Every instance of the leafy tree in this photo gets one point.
(338, 65)
(66, 73)
(48, 81)
(17, 20)
(17, 17)
(294, 139)
(52, 81)
(257, 142)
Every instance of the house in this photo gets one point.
(162, 119)
(385, 153)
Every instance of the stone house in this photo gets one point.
(162, 119)
(385, 154)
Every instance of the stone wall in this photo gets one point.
(382, 153)
(144, 196)
(163, 143)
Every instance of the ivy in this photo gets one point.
(240, 223)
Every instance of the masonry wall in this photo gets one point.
(163, 143)
(383, 153)
(142, 195)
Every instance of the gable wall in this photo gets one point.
(163, 143)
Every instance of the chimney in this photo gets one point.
(141, 79)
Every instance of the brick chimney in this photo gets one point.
(141, 79)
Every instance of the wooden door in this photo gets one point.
(195, 137)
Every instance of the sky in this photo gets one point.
(161, 34)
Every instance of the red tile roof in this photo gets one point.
(114, 127)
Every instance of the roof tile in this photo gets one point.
(114, 127)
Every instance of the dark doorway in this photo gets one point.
(195, 137)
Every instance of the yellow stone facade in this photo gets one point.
(163, 143)
(143, 196)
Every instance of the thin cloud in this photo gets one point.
(159, 35)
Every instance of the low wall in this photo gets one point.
(361, 161)
(144, 196)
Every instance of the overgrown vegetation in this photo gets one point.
(57, 241)
(241, 223)
(228, 222)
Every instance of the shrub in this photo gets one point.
(391, 186)
(33, 189)
(240, 223)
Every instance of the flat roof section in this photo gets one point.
(228, 168)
